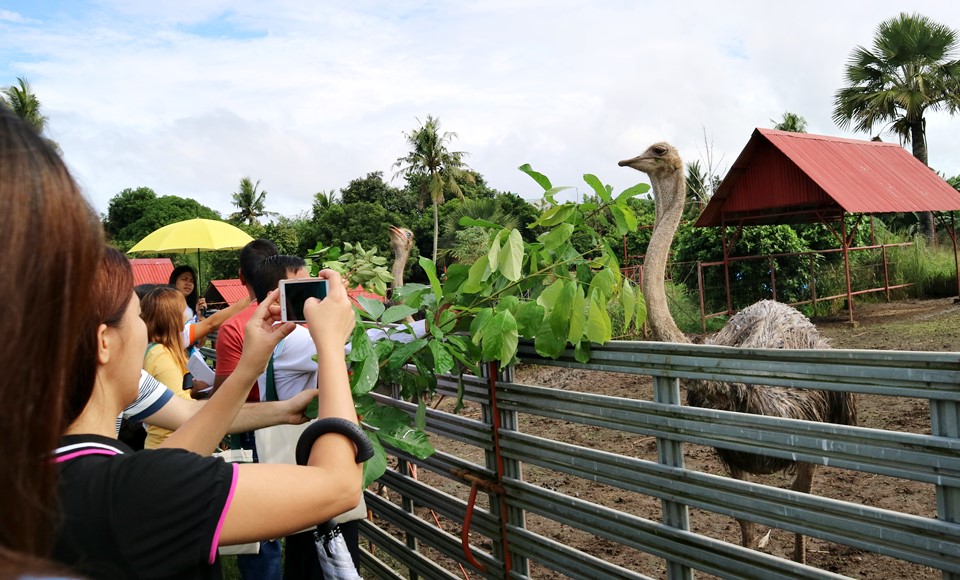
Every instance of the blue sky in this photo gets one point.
(187, 97)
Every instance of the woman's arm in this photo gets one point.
(204, 327)
(252, 416)
(298, 497)
(205, 429)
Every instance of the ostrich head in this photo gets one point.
(659, 159)
(401, 241)
(663, 164)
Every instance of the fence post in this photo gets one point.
(945, 422)
(886, 272)
(503, 419)
(773, 278)
(667, 391)
(703, 310)
(813, 281)
(403, 467)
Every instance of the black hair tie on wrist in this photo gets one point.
(343, 427)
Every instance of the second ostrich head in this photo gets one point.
(401, 241)
(662, 163)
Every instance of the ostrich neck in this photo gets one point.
(668, 199)
(399, 264)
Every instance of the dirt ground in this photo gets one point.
(932, 325)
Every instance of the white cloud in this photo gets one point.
(186, 98)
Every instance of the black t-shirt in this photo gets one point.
(152, 514)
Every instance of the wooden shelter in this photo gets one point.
(791, 178)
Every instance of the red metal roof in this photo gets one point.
(151, 270)
(784, 177)
(229, 291)
(359, 291)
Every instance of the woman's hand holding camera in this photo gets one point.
(330, 320)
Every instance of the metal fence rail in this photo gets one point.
(502, 545)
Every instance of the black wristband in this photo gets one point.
(333, 425)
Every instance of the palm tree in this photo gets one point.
(910, 70)
(465, 244)
(433, 168)
(25, 104)
(791, 122)
(250, 203)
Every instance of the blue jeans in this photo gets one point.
(262, 566)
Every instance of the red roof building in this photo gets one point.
(782, 177)
(223, 293)
(151, 270)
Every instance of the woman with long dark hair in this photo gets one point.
(184, 279)
(50, 251)
(167, 510)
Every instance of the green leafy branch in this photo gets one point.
(549, 291)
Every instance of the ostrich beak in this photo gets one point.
(631, 162)
(396, 231)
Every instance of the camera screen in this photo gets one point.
(296, 294)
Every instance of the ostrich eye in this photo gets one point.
(660, 150)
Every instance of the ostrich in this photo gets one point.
(401, 242)
(766, 324)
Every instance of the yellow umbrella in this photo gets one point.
(196, 235)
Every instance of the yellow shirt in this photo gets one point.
(164, 367)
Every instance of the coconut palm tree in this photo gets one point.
(433, 168)
(790, 122)
(24, 103)
(250, 203)
(911, 69)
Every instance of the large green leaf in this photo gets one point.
(365, 375)
(493, 254)
(511, 258)
(597, 186)
(479, 272)
(602, 284)
(556, 215)
(468, 221)
(633, 191)
(397, 313)
(456, 275)
(599, 327)
(577, 316)
(559, 315)
(538, 177)
(402, 353)
(431, 269)
(557, 236)
(548, 298)
(547, 343)
(641, 310)
(371, 306)
(529, 316)
(442, 358)
(628, 300)
(500, 337)
(361, 346)
(412, 441)
(376, 466)
(479, 324)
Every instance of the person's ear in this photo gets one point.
(105, 341)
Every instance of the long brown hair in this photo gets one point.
(112, 292)
(50, 249)
(162, 310)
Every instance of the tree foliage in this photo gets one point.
(911, 69)
(790, 122)
(251, 204)
(134, 213)
(546, 290)
(24, 103)
(434, 169)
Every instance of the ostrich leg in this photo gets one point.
(803, 483)
(748, 529)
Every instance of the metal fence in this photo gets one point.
(480, 495)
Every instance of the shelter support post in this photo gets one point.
(886, 271)
(813, 282)
(700, 289)
(846, 268)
